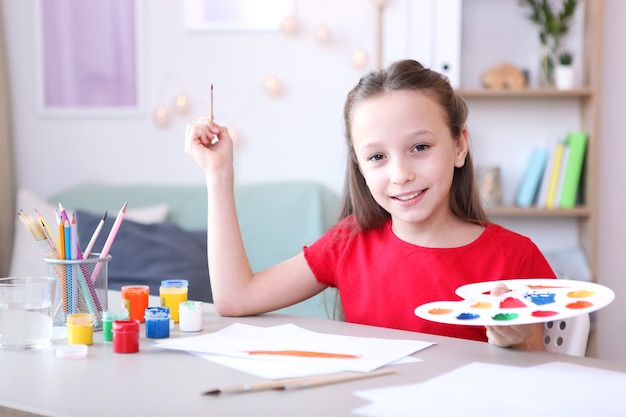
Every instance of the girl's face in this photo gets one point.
(407, 156)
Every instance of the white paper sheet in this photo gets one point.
(277, 370)
(479, 389)
(239, 339)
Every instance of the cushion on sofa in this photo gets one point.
(27, 259)
(146, 254)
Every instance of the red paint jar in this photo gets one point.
(126, 336)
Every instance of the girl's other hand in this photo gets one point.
(209, 145)
(526, 336)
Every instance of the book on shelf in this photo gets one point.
(529, 185)
(560, 179)
(550, 180)
(577, 145)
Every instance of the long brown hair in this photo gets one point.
(408, 75)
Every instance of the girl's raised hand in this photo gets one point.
(209, 145)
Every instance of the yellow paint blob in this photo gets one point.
(481, 304)
(580, 294)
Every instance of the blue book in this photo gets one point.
(529, 186)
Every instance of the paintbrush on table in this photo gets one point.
(298, 383)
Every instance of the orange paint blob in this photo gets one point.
(440, 311)
(481, 304)
(579, 304)
(539, 287)
(580, 294)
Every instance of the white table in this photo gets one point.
(162, 382)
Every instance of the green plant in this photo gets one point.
(565, 58)
(552, 25)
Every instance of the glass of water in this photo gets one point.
(27, 308)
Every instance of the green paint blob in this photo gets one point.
(505, 316)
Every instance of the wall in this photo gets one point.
(299, 132)
(298, 135)
(611, 321)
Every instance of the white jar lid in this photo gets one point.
(72, 351)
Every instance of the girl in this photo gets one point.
(412, 227)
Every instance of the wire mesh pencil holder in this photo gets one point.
(82, 288)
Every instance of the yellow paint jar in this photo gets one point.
(172, 293)
(79, 329)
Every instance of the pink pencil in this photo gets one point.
(109, 242)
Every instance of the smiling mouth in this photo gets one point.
(408, 197)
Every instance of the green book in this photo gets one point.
(577, 143)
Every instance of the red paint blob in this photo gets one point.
(511, 302)
(579, 304)
(544, 313)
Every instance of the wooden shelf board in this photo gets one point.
(513, 211)
(525, 93)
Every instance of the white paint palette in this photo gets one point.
(527, 301)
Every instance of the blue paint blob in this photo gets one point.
(467, 316)
(540, 299)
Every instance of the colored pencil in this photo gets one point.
(297, 383)
(47, 229)
(94, 236)
(74, 237)
(109, 241)
(69, 277)
(89, 291)
(116, 226)
(67, 233)
(61, 236)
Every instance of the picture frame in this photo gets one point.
(89, 58)
(236, 15)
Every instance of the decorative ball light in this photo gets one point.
(322, 34)
(289, 26)
(272, 86)
(181, 104)
(359, 59)
(161, 116)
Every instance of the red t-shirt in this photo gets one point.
(382, 279)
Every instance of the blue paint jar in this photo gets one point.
(157, 322)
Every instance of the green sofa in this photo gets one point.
(276, 219)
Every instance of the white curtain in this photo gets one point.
(7, 181)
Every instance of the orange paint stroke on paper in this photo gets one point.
(302, 353)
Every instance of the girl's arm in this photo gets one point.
(237, 291)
